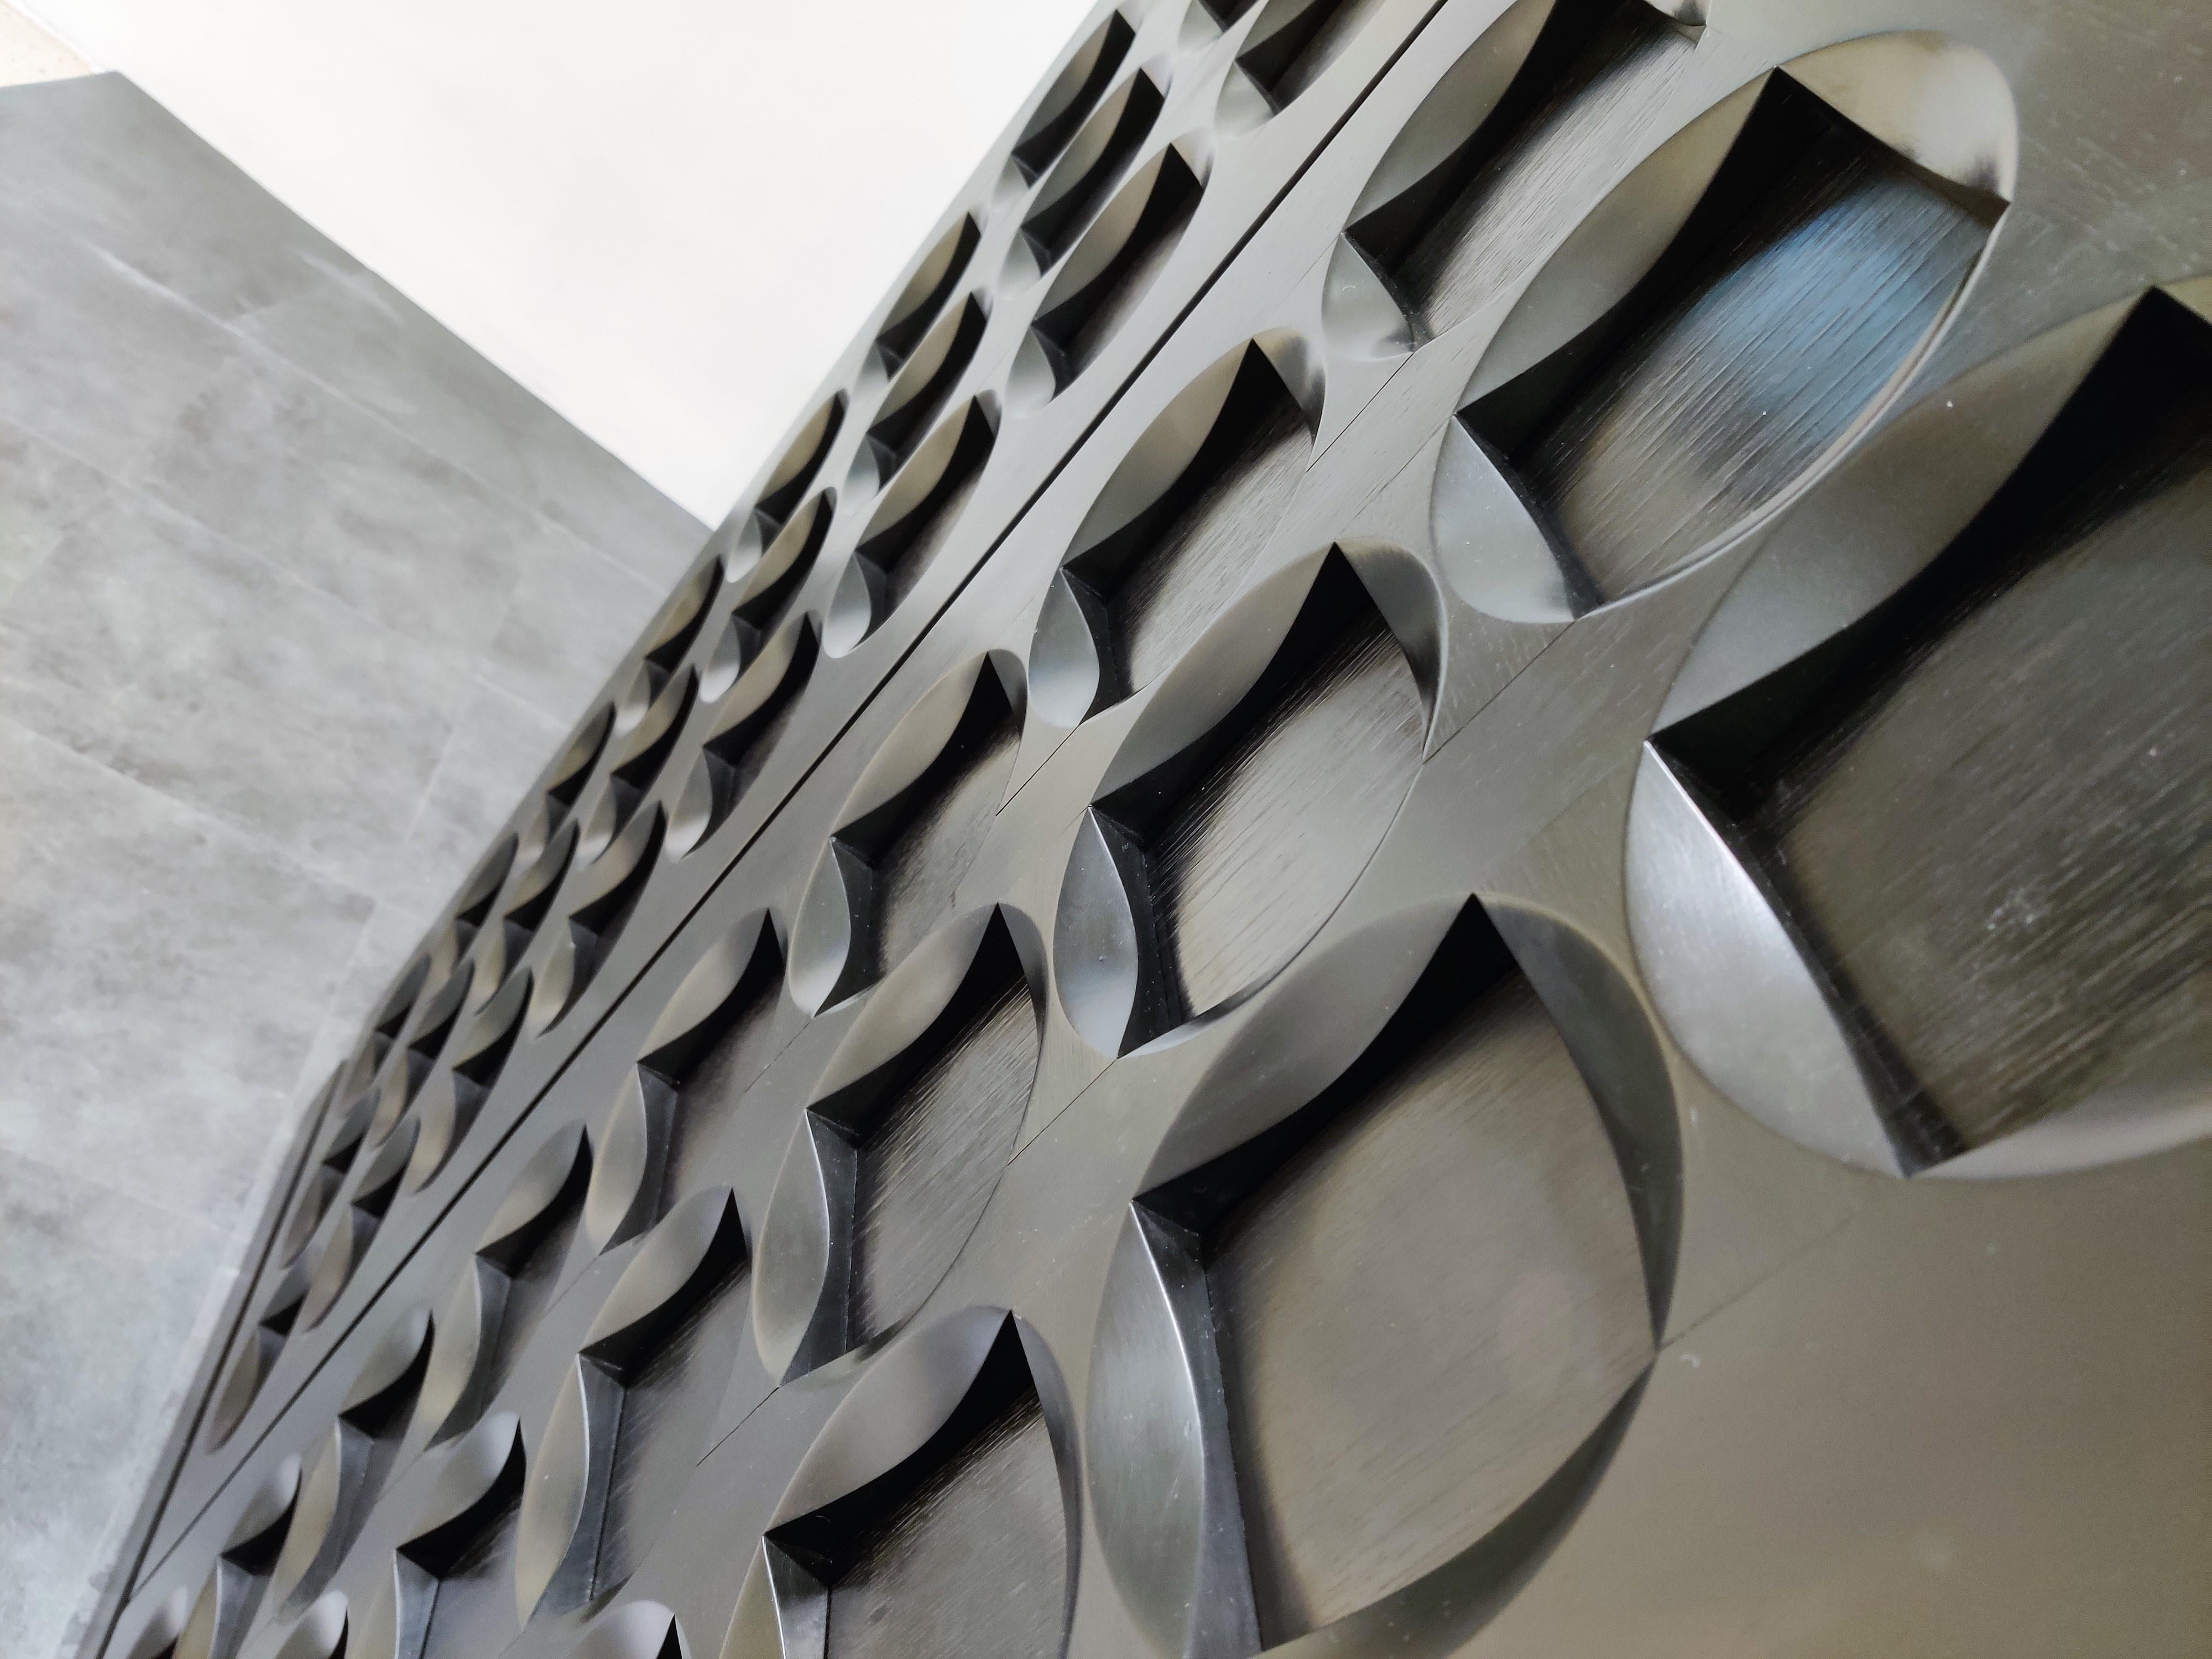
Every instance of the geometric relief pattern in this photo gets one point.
(1428, 876)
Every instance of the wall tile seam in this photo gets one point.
(263, 350)
(227, 827)
(469, 669)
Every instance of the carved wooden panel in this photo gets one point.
(1428, 878)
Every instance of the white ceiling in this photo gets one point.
(665, 217)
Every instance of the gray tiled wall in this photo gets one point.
(296, 594)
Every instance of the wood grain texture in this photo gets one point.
(974, 1566)
(1996, 833)
(1216, 524)
(1423, 1313)
(668, 1405)
(1251, 862)
(918, 873)
(929, 1161)
(1761, 362)
(1588, 125)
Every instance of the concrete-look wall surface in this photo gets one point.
(296, 594)
(665, 220)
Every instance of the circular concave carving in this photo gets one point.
(635, 1414)
(399, 1002)
(347, 1235)
(902, 1147)
(636, 1630)
(352, 1462)
(157, 1635)
(478, 893)
(533, 896)
(318, 1633)
(917, 394)
(1100, 283)
(715, 1039)
(457, 1091)
(505, 1286)
(681, 621)
(1521, 153)
(403, 1079)
(741, 734)
(1175, 531)
(931, 1519)
(765, 575)
(927, 291)
(607, 896)
(573, 770)
(801, 460)
(1073, 94)
(1961, 831)
(1394, 1330)
(450, 1582)
(1648, 397)
(908, 832)
(1202, 876)
(227, 1602)
(1092, 162)
(258, 1348)
(636, 765)
(912, 522)
(1294, 40)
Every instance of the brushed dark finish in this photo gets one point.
(916, 876)
(515, 1285)
(928, 1163)
(470, 1596)
(904, 569)
(1079, 326)
(974, 1566)
(714, 1070)
(1522, 190)
(661, 1427)
(1991, 823)
(1424, 1312)
(1331, 1338)
(1268, 840)
(1759, 359)
(1197, 543)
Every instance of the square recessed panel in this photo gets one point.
(1984, 814)
(972, 1566)
(931, 1157)
(1426, 1309)
(1815, 268)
